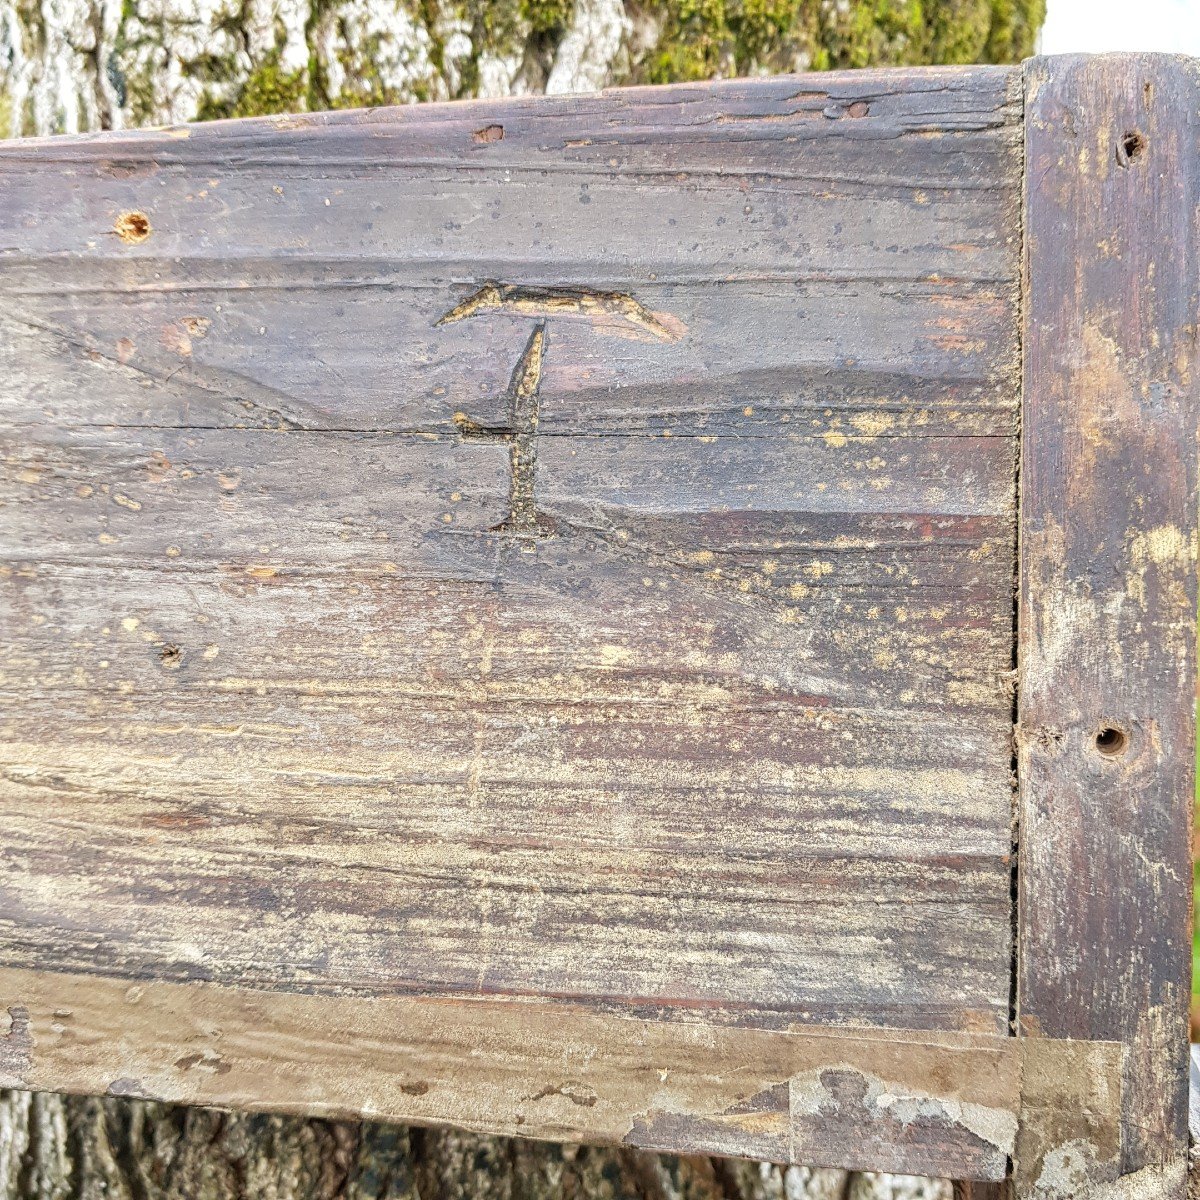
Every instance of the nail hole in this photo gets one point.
(1111, 741)
(859, 108)
(132, 227)
(489, 133)
(1130, 148)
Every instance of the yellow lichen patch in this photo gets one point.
(262, 572)
(834, 438)
(126, 501)
(818, 568)
(465, 425)
(129, 624)
(614, 656)
(1165, 546)
(871, 424)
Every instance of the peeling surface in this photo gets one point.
(546, 1071)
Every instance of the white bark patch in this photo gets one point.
(586, 53)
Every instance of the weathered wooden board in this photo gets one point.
(572, 564)
(1108, 591)
(520, 596)
(707, 709)
(881, 1099)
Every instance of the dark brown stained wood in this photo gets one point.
(572, 567)
(1108, 592)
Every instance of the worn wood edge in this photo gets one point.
(1148, 1164)
(845, 85)
(877, 1099)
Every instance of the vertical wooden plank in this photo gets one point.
(1108, 590)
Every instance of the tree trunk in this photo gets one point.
(55, 1147)
(72, 65)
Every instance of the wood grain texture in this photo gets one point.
(573, 564)
(872, 1098)
(1108, 592)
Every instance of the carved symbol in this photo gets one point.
(523, 518)
(612, 312)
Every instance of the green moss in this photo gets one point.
(698, 39)
(546, 16)
(6, 114)
(1015, 25)
(703, 38)
(497, 26)
(878, 33)
(763, 31)
(958, 30)
(695, 40)
(270, 89)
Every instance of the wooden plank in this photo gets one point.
(1108, 590)
(900, 1100)
(573, 567)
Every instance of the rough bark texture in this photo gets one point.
(71, 65)
(53, 1147)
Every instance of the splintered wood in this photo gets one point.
(509, 618)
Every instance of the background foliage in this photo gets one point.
(70, 65)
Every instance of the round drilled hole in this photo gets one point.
(1130, 147)
(1111, 741)
(860, 108)
(132, 227)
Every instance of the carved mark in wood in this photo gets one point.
(614, 312)
(523, 518)
(603, 310)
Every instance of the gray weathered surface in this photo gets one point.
(557, 549)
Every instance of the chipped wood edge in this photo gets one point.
(1107, 601)
(822, 1096)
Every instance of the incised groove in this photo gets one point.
(523, 518)
(619, 312)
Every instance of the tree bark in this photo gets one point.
(74, 65)
(55, 1147)
(71, 65)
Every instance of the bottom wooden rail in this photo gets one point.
(905, 1101)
